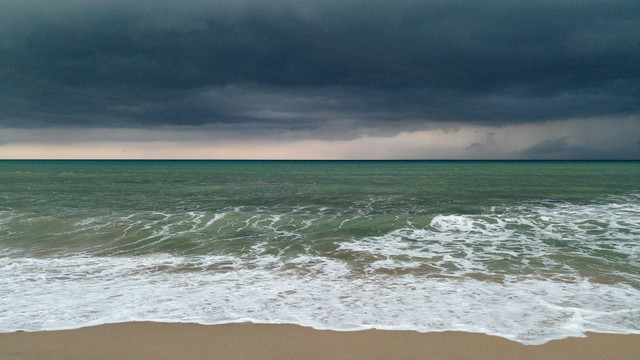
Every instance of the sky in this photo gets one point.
(310, 79)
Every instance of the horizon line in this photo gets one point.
(318, 160)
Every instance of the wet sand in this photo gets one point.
(147, 340)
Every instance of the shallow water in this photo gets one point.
(530, 251)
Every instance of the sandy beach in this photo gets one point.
(146, 340)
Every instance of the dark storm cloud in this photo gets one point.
(560, 148)
(374, 65)
(548, 147)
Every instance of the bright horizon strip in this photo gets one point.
(550, 140)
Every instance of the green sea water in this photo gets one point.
(547, 249)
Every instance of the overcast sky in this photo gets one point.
(320, 79)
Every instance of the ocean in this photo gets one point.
(530, 251)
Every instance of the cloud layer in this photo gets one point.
(329, 70)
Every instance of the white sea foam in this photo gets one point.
(519, 273)
(562, 237)
(80, 291)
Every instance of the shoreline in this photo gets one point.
(157, 340)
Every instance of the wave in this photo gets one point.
(531, 273)
(45, 294)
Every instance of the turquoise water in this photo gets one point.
(530, 251)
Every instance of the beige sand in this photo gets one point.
(143, 340)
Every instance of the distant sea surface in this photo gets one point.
(530, 251)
